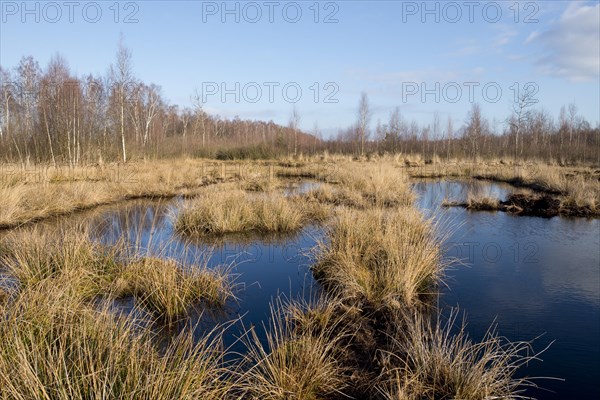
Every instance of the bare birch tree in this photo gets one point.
(121, 75)
(364, 118)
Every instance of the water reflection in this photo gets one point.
(433, 192)
(535, 276)
(298, 188)
(265, 266)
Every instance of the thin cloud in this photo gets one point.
(465, 51)
(505, 36)
(398, 77)
(570, 48)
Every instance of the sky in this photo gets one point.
(259, 60)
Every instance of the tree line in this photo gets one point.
(52, 116)
(527, 133)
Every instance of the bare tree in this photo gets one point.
(572, 121)
(186, 116)
(61, 104)
(475, 130)
(520, 115)
(122, 77)
(318, 136)
(364, 117)
(396, 128)
(293, 124)
(7, 97)
(151, 103)
(28, 73)
(380, 132)
(436, 131)
(93, 110)
(449, 136)
(199, 116)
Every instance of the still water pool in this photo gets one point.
(534, 277)
(265, 267)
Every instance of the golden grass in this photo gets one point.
(479, 202)
(427, 361)
(380, 184)
(55, 346)
(362, 185)
(581, 193)
(36, 193)
(219, 213)
(23, 202)
(386, 258)
(42, 192)
(168, 289)
(36, 257)
(295, 365)
(338, 196)
(164, 287)
(60, 339)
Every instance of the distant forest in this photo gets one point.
(52, 116)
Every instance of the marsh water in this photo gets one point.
(533, 277)
(264, 267)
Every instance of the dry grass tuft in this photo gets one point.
(427, 361)
(380, 184)
(164, 287)
(337, 196)
(386, 258)
(222, 213)
(168, 289)
(56, 346)
(36, 257)
(482, 203)
(295, 364)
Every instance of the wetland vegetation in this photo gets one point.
(372, 329)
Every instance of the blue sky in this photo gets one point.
(423, 57)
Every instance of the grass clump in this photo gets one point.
(476, 203)
(221, 213)
(379, 184)
(482, 203)
(261, 183)
(168, 289)
(164, 287)
(426, 360)
(381, 258)
(56, 346)
(294, 364)
(67, 253)
(364, 185)
(338, 196)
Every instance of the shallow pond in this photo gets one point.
(264, 266)
(530, 275)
